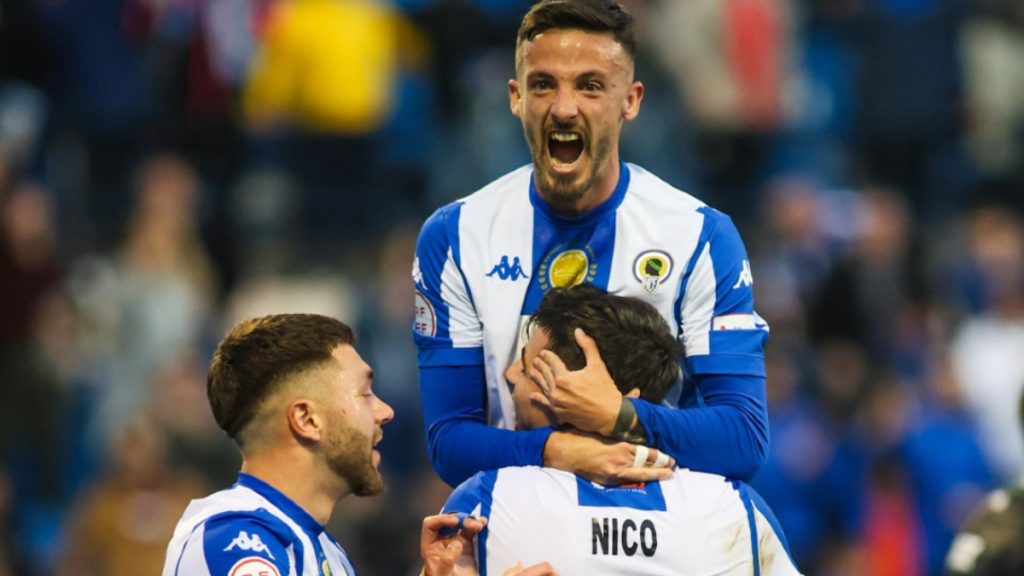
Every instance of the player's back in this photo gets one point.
(693, 523)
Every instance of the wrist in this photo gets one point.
(627, 426)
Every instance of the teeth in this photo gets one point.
(565, 136)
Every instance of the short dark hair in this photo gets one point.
(258, 354)
(633, 338)
(600, 16)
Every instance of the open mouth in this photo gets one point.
(564, 148)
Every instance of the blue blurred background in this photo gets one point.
(168, 167)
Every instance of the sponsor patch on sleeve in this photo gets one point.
(738, 322)
(425, 322)
(254, 566)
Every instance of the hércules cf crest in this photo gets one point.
(651, 268)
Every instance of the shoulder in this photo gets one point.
(649, 188)
(442, 227)
(240, 542)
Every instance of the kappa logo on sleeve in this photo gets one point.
(253, 566)
(417, 276)
(249, 543)
(746, 277)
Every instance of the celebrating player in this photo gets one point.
(692, 523)
(295, 396)
(580, 214)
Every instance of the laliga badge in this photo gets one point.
(651, 268)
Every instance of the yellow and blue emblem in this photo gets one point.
(567, 265)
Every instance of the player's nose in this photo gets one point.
(564, 108)
(383, 412)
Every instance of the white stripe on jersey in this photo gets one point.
(699, 305)
(464, 326)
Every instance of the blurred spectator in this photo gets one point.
(28, 259)
(323, 85)
(947, 471)
(912, 103)
(152, 299)
(878, 282)
(993, 52)
(734, 61)
(122, 524)
(986, 350)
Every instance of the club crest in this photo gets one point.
(651, 268)
(567, 266)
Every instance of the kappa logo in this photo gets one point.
(506, 271)
(746, 278)
(417, 276)
(249, 543)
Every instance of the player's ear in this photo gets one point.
(634, 393)
(304, 422)
(631, 104)
(515, 98)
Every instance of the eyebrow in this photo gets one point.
(522, 357)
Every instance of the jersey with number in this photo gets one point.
(251, 529)
(693, 523)
(483, 264)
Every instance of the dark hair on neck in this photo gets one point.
(634, 340)
(600, 16)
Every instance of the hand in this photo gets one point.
(542, 569)
(604, 461)
(439, 554)
(586, 398)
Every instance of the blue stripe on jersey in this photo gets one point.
(450, 356)
(231, 536)
(637, 496)
(478, 490)
(744, 492)
(593, 233)
(439, 235)
(762, 507)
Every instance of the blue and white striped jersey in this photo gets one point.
(483, 264)
(693, 523)
(252, 529)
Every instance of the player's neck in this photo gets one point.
(299, 480)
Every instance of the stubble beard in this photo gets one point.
(566, 191)
(351, 458)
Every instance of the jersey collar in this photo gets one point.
(602, 210)
(289, 507)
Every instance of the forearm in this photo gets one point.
(460, 448)
(459, 440)
(728, 436)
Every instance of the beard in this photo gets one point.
(564, 190)
(350, 456)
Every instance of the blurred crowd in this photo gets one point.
(168, 167)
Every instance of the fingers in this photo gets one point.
(545, 367)
(589, 348)
(640, 457)
(541, 399)
(542, 569)
(446, 525)
(642, 475)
